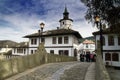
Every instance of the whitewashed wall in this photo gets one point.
(2, 50)
(109, 48)
(112, 63)
(14, 52)
(56, 50)
(106, 46)
(67, 23)
(48, 43)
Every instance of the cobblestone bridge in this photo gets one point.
(59, 71)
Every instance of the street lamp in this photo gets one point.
(40, 32)
(99, 25)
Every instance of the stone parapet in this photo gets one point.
(16, 65)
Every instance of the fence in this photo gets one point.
(101, 72)
(16, 65)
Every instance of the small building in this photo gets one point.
(111, 47)
(58, 41)
(86, 47)
(5, 49)
(6, 46)
(21, 49)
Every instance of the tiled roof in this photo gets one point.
(56, 32)
(88, 42)
(22, 45)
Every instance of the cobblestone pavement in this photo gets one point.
(75, 73)
(90, 74)
(114, 73)
(56, 71)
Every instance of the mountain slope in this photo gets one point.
(7, 43)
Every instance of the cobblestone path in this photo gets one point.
(75, 73)
(56, 71)
(114, 73)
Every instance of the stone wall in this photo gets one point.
(101, 72)
(19, 64)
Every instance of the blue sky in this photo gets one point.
(22, 17)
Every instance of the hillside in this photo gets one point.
(89, 38)
(10, 43)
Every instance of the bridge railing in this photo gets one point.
(16, 65)
(101, 72)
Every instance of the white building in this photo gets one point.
(6, 46)
(5, 49)
(86, 47)
(111, 47)
(21, 49)
(59, 41)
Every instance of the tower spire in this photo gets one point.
(65, 11)
(66, 22)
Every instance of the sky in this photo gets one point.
(22, 17)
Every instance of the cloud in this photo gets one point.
(22, 17)
(84, 28)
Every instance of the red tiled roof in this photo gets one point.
(88, 42)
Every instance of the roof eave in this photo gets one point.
(65, 19)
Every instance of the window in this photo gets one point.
(108, 56)
(31, 51)
(119, 40)
(64, 52)
(24, 51)
(14, 50)
(33, 41)
(60, 52)
(115, 57)
(19, 50)
(54, 40)
(63, 22)
(52, 51)
(103, 38)
(66, 40)
(110, 40)
(75, 52)
(43, 40)
(87, 52)
(59, 40)
(86, 45)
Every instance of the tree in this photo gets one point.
(107, 10)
